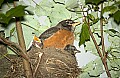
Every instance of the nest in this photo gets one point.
(53, 63)
(45, 63)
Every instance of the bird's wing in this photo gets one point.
(48, 33)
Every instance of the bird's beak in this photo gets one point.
(36, 39)
(76, 23)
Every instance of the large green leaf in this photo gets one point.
(92, 69)
(113, 32)
(16, 12)
(13, 12)
(44, 8)
(71, 4)
(84, 35)
(59, 12)
(4, 18)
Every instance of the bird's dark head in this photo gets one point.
(67, 24)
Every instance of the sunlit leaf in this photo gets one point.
(44, 8)
(71, 4)
(115, 41)
(59, 1)
(84, 75)
(59, 12)
(113, 32)
(92, 69)
(115, 74)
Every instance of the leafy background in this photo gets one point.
(40, 15)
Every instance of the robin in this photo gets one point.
(71, 49)
(58, 36)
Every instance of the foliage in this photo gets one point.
(13, 12)
(84, 36)
(48, 13)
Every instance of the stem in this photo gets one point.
(98, 50)
(103, 46)
(101, 29)
(26, 64)
(93, 38)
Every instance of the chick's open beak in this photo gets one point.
(76, 23)
(36, 39)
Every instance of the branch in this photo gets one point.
(98, 50)
(26, 64)
(17, 49)
(103, 46)
(101, 29)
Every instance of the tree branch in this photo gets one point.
(98, 50)
(101, 29)
(27, 67)
(103, 46)
(17, 49)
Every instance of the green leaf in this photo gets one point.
(117, 3)
(96, 20)
(71, 4)
(116, 16)
(44, 8)
(12, 30)
(59, 12)
(113, 30)
(1, 1)
(92, 69)
(111, 9)
(16, 12)
(4, 18)
(84, 35)
(91, 17)
(95, 2)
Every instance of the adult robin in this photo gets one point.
(59, 36)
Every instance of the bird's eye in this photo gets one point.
(69, 22)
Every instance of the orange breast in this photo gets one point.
(60, 39)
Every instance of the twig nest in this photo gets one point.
(53, 63)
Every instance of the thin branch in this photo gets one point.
(98, 50)
(75, 11)
(93, 38)
(30, 27)
(39, 59)
(101, 29)
(26, 64)
(103, 46)
(17, 49)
